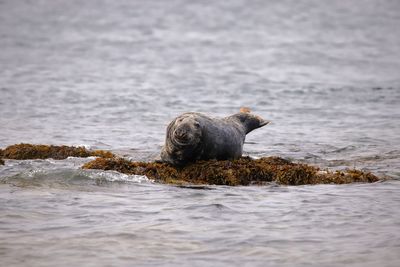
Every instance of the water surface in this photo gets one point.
(112, 74)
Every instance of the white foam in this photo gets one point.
(113, 176)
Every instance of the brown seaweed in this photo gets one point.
(243, 171)
(29, 151)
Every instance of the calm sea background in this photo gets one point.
(112, 74)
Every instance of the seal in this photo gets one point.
(195, 136)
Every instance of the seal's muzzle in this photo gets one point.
(182, 135)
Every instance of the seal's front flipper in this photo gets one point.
(161, 157)
(158, 159)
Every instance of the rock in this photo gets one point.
(243, 171)
(29, 151)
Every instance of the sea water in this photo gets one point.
(112, 74)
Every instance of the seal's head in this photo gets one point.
(185, 131)
(250, 121)
(183, 140)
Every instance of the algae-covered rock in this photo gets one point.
(29, 151)
(243, 171)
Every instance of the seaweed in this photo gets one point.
(243, 171)
(29, 151)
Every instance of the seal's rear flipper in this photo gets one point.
(263, 122)
(245, 110)
(249, 120)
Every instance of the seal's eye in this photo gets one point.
(197, 125)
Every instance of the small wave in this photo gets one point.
(113, 176)
(213, 207)
(335, 150)
(196, 187)
(65, 178)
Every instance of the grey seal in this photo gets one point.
(195, 136)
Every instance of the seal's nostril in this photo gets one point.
(180, 134)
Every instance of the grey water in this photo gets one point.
(112, 74)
